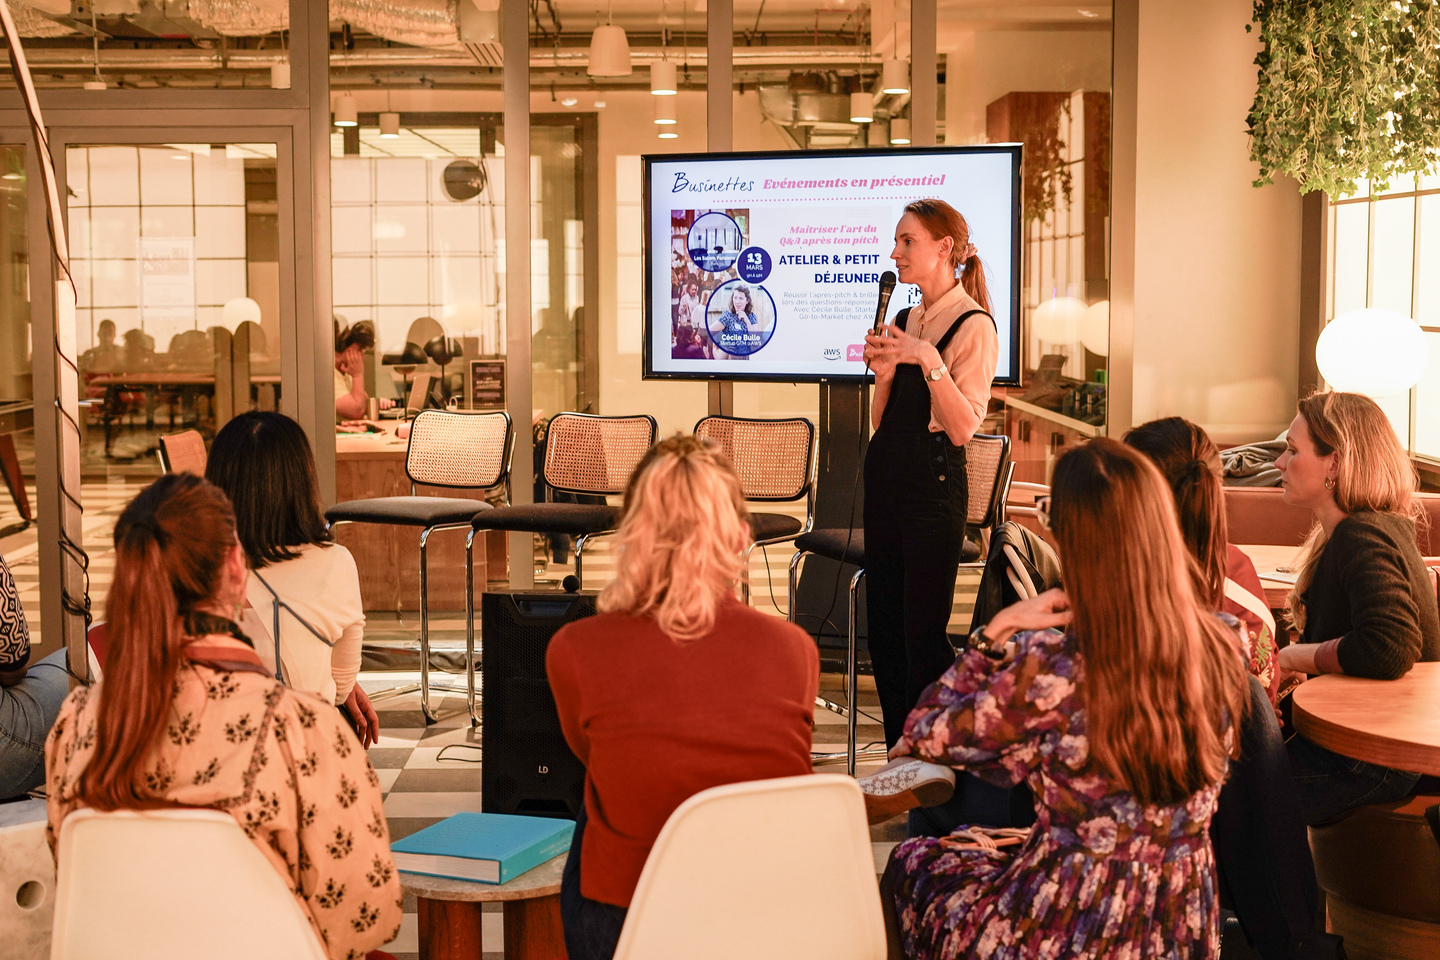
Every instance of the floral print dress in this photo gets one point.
(283, 764)
(1100, 877)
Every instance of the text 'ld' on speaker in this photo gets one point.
(526, 766)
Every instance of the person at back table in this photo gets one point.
(637, 686)
(187, 716)
(300, 579)
(1190, 463)
(1363, 600)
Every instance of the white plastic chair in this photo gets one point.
(27, 890)
(171, 885)
(768, 869)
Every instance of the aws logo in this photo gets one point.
(831, 353)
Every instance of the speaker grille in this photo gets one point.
(528, 768)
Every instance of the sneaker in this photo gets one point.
(904, 784)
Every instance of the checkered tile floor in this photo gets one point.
(430, 772)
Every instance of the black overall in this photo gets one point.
(915, 500)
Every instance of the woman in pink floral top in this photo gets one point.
(188, 717)
(1122, 727)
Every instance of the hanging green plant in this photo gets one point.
(1348, 90)
(1036, 120)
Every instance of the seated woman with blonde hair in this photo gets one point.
(1123, 725)
(637, 686)
(1362, 602)
(188, 717)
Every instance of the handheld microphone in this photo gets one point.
(887, 287)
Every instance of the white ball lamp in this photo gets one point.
(1095, 328)
(237, 311)
(1057, 320)
(1378, 353)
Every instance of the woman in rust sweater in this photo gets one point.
(636, 686)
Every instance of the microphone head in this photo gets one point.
(887, 280)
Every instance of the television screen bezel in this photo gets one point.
(648, 371)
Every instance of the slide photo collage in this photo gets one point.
(719, 307)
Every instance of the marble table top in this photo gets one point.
(543, 881)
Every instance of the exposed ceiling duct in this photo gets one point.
(241, 18)
(420, 23)
(32, 24)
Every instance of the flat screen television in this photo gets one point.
(766, 266)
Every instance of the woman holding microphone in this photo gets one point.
(933, 368)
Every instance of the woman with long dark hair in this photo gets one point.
(1226, 579)
(301, 583)
(186, 716)
(1123, 725)
(933, 368)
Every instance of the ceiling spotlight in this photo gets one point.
(609, 52)
(862, 107)
(389, 125)
(345, 113)
(94, 85)
(664, 111)
(570, 101)
(895, 77)
(662, 78)
(599, 104)
(900, 130)
(1086, 13)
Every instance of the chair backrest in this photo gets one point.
(27, 889)
(596, 455)
(773, 458)
(159, 884)
(450, 448)
(987, 459)
(767, 869)
(183, 452)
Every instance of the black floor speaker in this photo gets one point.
(526, 766)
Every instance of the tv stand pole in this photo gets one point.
(839, 504)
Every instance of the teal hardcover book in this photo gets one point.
(484, 847)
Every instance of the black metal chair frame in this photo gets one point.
(424, 686)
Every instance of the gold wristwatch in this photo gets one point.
(936, 373)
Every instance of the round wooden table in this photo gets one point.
(1394, 723)
(448, 914)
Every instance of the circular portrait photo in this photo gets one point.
(714, 242)
(740, 318)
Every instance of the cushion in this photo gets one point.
(575, 519)
(407, 511)
(768, 526)
(832, 544)
(1382, 857)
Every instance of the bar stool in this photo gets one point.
(775, 461)
(455, 449)
(987, 470)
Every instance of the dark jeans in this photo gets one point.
(592, 928)
(1262, 855)
(975, 804)
(1329, 784)
(915, 494)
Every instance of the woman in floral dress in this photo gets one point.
(1122, 727)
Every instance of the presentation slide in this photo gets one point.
(767, 266)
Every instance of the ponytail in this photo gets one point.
(170, 547)
(972, 278)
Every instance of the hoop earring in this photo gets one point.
(1329, 483)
